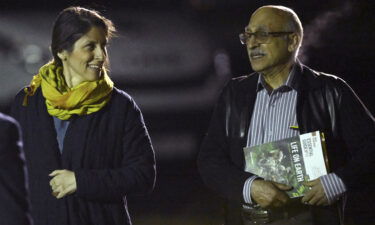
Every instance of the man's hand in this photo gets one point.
(62, 183)
(316, 195)
(269, 194)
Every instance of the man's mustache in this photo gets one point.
(256, 51)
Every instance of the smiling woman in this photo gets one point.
(85, 141)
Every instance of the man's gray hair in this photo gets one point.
(293, 24)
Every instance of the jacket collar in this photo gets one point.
(290, 83)
(306, 78)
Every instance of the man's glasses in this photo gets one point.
(261, 37)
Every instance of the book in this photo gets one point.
(290, 161)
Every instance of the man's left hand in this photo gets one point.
(316, 195)
(62, 183)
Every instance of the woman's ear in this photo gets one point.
(62, 55)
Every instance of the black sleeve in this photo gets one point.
(357, 127)
(215, 165)
(14, 203)
(137, 172)
(16, 106)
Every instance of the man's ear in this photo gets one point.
(293, 42)
(62, 55)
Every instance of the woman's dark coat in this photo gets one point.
(109, 151)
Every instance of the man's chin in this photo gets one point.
(257, 68)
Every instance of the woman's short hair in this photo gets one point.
(71, 24)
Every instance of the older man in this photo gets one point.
(264, 106)
(14, 205)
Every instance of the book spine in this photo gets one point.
(313, 155)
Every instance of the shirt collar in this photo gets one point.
(290, 83)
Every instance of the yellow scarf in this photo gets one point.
(62, 101)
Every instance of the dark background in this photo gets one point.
(173, 57)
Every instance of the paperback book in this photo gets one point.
(290, 161)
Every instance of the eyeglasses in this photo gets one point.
(261, 37)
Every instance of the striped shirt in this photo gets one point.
(273, 117)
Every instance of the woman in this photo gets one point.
(85, 141)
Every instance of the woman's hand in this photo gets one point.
(62, 183)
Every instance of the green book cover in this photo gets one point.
(290, 161)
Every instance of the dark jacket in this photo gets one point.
(14, 204)
(109, 151)
(324, 102)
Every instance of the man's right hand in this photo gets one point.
(269, 194)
